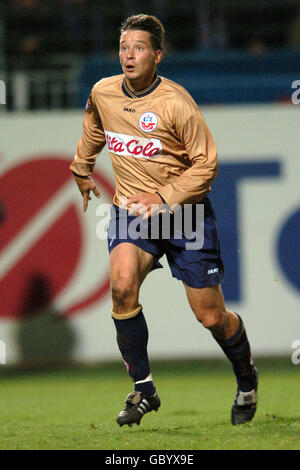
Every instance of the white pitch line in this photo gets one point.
(37, 226)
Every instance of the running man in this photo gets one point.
(163, 155)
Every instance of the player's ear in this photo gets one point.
(157, 56)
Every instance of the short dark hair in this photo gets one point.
(146, 23)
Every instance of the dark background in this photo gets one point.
(222, 51)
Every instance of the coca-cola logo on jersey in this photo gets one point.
(128, 145)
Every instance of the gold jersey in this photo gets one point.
(157, 138)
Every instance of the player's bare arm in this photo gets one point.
(86, 185)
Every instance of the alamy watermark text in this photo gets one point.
(176, 222)
(2, 92)
(296, 94)
(2, 352)
(296, 354)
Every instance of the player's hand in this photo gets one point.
(86, 185)
(145, 204)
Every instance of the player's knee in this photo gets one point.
(124, 294)
(210, 318)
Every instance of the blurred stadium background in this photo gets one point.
(241, 63)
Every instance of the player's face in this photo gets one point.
(138, 58)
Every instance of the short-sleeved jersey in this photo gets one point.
(157, 138)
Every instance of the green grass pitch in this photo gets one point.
(75, 408)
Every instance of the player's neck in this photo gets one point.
(138, 85)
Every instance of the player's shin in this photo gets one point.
(132, 339)
(237, 349)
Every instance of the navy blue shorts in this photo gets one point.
(196, 266)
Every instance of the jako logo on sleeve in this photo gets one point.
(128, 145)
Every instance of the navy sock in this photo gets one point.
(146, 387)
(237, 349)
(132, 339)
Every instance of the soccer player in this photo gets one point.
(163, 155)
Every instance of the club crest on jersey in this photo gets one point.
(148, 121)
